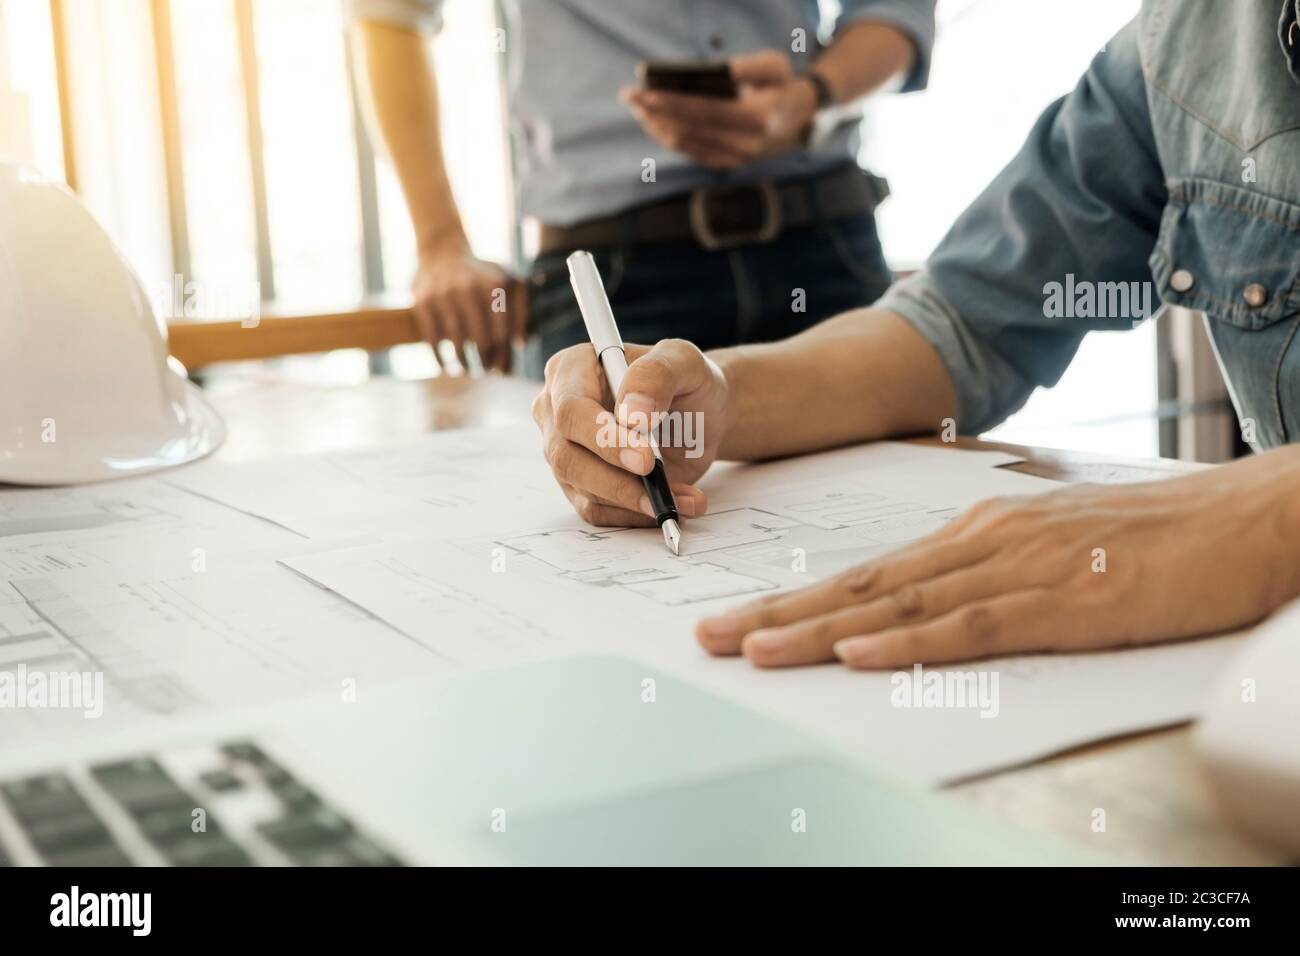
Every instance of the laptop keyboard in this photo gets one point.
(228, 805)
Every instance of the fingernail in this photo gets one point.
(855, 651)
(686, 506)
(724, 626)
(644, 506)
(633, 461)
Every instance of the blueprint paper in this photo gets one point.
(178, 603)
(222, 586)
(1046, 703)
(119, 524)
(450, 481)
(770, 527)
(435, 483)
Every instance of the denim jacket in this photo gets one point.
(1170, 174)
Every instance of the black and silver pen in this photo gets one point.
(605, 339)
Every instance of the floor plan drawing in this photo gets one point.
(868, 515)
(619, 557)
(51, 530)
(731, 553)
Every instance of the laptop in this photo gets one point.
(574, 761)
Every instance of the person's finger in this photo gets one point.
(690, 501)
(763, 67)
(672, 368)
(691, 138)
(495, 304)
(474, 361)
(496, 359)
(1022, 621)
(742, 144)
(585, 422)
(488, 326)
(690, 110)
(450, 327)
(576, 389)
(571, 416)
(812, 640)
(427, 323)
(516, 317)
(541, 409)
(506, 312)
(584, 444)
(711, 158)
(589, 474)
(577, 369)
(472, 312)
(602, 514)
(669, 134)
(710, 155)
(725, 633)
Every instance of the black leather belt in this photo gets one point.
(722, 217)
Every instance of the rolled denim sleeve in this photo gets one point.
(914, 18)
(1083, 198)
(421, 16)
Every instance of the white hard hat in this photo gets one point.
(87, 389)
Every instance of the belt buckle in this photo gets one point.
(702, 228)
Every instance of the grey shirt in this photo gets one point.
(582, 154)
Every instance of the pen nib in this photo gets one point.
(672, 535)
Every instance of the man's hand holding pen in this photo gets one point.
(602, 478)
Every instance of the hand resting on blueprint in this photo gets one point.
(1082, 568)
(1078, 568)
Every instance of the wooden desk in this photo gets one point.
(1158, 809)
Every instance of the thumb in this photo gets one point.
(671, 368)
(763, 67)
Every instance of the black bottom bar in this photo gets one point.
(333, 906)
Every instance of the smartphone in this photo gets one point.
(690, 77)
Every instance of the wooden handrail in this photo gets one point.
(197, 343)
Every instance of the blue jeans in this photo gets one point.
(756, 293)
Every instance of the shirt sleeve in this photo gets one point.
(421, 16)
(1080, 203)
(915, 18)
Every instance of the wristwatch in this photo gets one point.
(825, 97)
